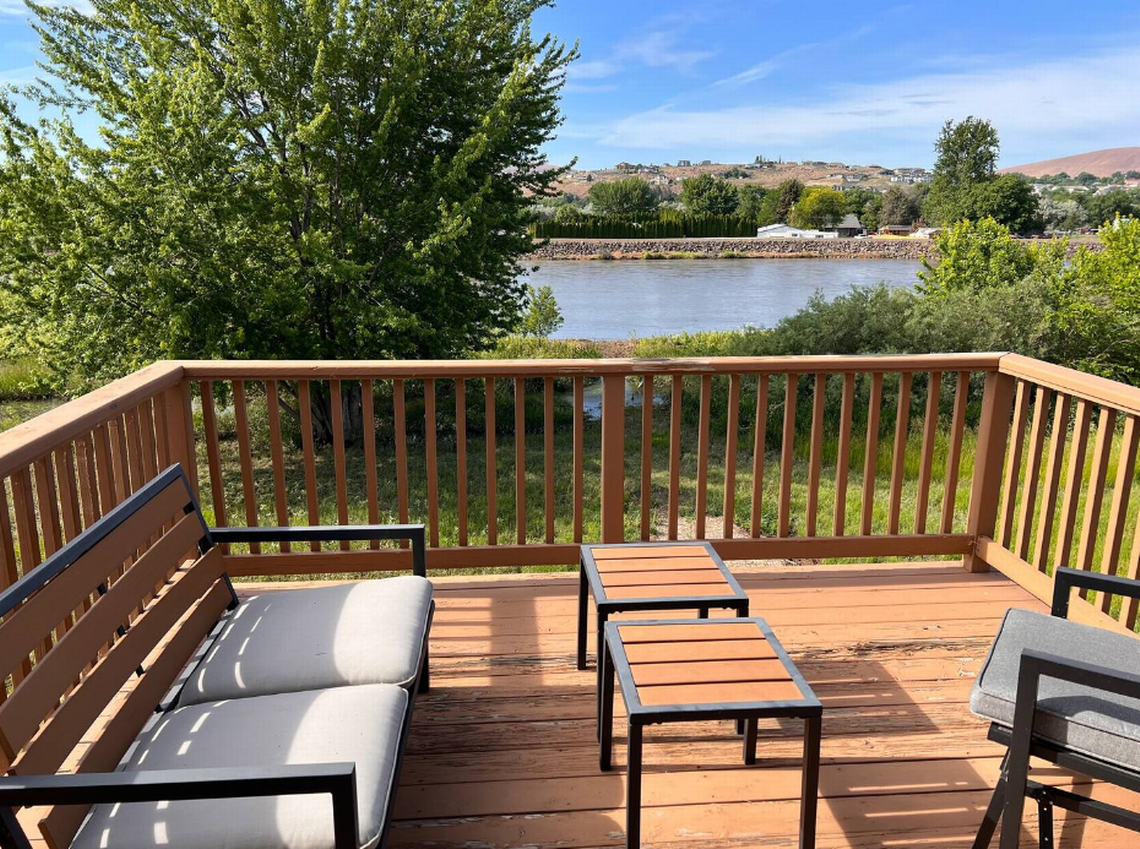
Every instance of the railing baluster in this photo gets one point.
(926, 462)
(1074, 480)
(843, 460)
(431, 461)
(461, 457)
(579, 454)
(520, 460)
(730, 447)
(815, 460)
(492, 464)
(898, 455)
(146, 432)
(675, 455)
(213, 456)
(787, 457)
(119, 463)
(548, 454)
(277, 455)
(646, 454)
(1118, 512)
(871, 455)
(954, 455)
(1102, 451)
(9, 574)
(400, 422)
(105, 467)
(245, 453)
(1028, 505)
(305, 402)
(68, 491)
(88, 489)
(703, 456)
(51, 532)
(371, 484)
(25, 508)
(134, 448)
(759, 455)
(1013, 465)
(340, 470)
(1054, 461)
(613, 458)
(161, 433)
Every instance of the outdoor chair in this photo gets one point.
(1068, 694)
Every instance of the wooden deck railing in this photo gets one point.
(813, 457)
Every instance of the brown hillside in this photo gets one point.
(1101, 163)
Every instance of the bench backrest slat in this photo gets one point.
(40, 692)
(59, 825)
(26, 626)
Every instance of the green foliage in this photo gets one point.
(976, 256)
(900, 206)
(275, 180)
(543, 316)
(819, 207)
(667, 224)
(736, 173)
(966, 187)
(631, 196)
(751, 204)
(532, 348)
(785, 197)
(709, 195)
(1098, 314)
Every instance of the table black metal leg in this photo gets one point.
(703, 613)
(582, 613)
(601, 654)
(751, 727)
(810, 799)
(633, 789)
(606, 743)
(989, 823)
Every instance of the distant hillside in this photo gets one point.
(1101, 163)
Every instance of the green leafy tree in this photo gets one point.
(787, 194)
(967, 155)
(543, 316)
(1087, 179)
(900, 206)
(1102, 209)
(280, 179)
(631, 196)
(709, 195)
(872, 215)
(819, 207)
(979, 255)
(1008, 199)
(751, 203)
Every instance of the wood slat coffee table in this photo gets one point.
(686, 671)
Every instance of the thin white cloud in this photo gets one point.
(1075, 96)
(769, 66)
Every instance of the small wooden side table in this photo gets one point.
(686, 671)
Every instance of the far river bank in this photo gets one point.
(660, 249)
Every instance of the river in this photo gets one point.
(626, 298)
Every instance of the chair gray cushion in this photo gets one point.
(356, 724)
(1085, 719)
(369, 632)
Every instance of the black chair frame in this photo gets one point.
(338, 780)
(1014, 785)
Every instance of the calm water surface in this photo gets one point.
(624, 298)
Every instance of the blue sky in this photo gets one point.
(661, 80)
(858, 82)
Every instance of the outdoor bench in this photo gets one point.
(280, 722)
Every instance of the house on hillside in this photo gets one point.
(847, 228)
(684, 163)
(896, 230)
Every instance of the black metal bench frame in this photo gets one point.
(1014, 784)
(338, 780)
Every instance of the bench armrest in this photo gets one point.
(102, 788)
(333, 533)
(1064, 579)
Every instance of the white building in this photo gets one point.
(787, 231)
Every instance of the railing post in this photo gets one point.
(993, 431)
(180, 430)
(613, 458)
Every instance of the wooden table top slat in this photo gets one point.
(704, 650)
(655, 564)
(709, 672)
(702, 694)
(626, 552)
(698, 631)
(634, 579)
(666, 591)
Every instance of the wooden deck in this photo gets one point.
(504, 754)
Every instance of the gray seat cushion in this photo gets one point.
(369, 632)
(1085, 719)
(356, 724)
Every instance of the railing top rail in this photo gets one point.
(415, 369)
(1099, 390)
(27, 442)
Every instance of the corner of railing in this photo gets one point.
(993, 431)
